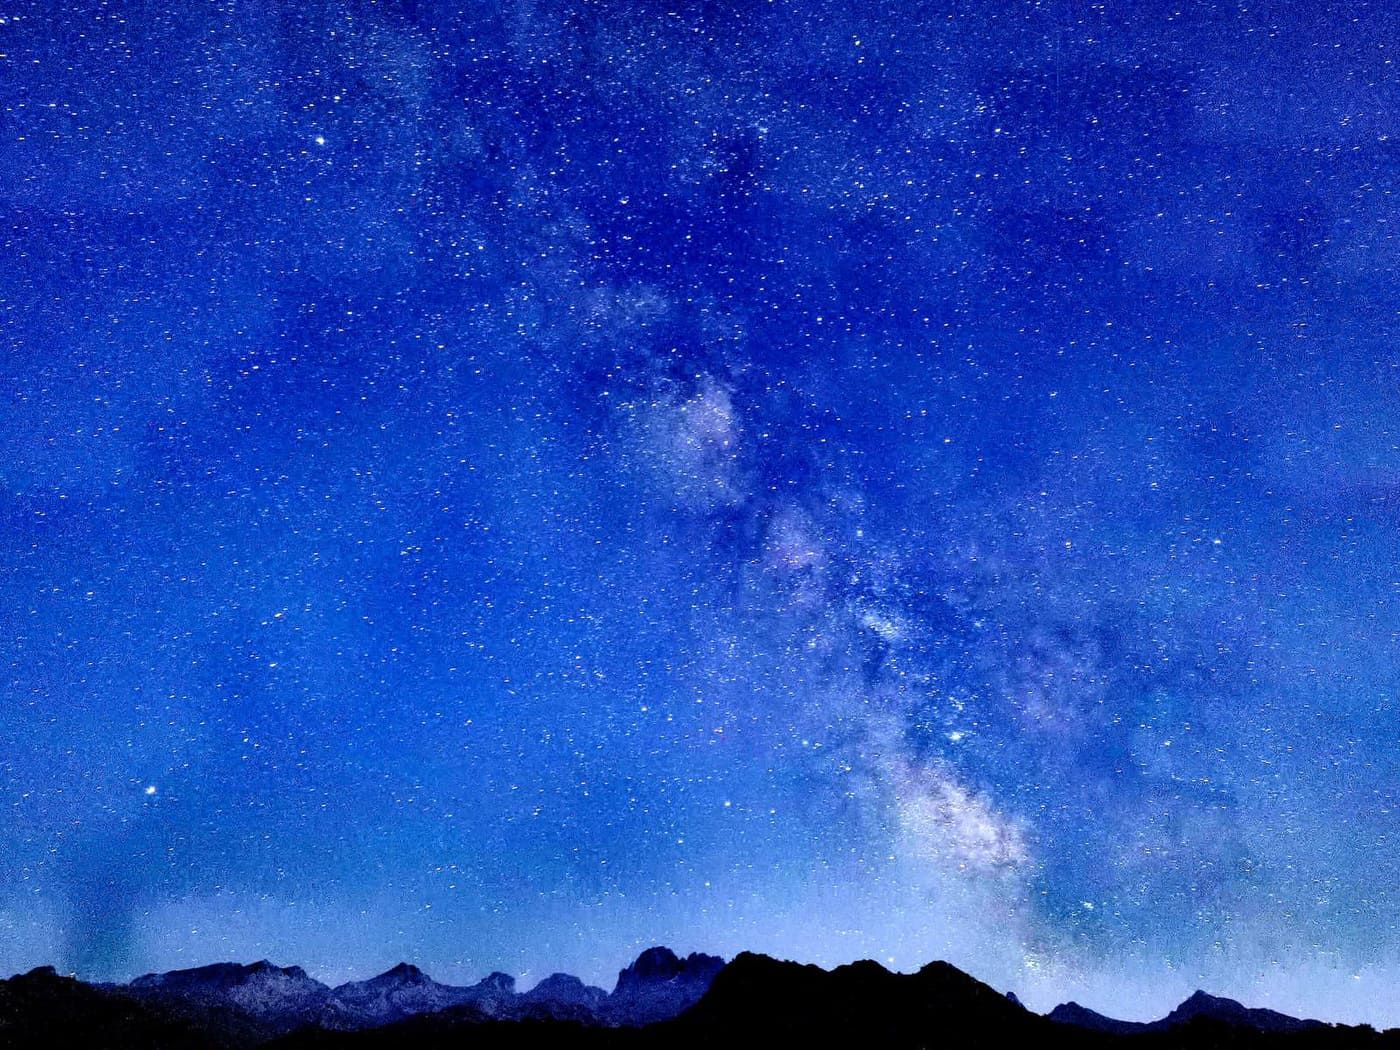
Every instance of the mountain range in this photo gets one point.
(1199, 1005)
(661, 999)
(259, 1001)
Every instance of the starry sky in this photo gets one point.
(506, 484)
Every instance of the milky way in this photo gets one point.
(505, 485)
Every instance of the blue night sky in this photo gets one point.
(503, 485)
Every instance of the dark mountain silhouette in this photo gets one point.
(41, 1009)
(1072, 1013)
(784, 1003)
(1199, 1007)
(660, 985)
(754, 1001)
(1230, 1012)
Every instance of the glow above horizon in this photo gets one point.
(501, 489)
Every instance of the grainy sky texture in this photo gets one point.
(504, 485)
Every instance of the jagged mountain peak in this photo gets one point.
(1200, 1004)
(401, 991)
(658, 959)
(401, 975)
(497, 983)
(661, 964)
(660, 984)
(863, 968)
(404, 972)
(945, 979)
(1071, 1009)
(1203, 1000)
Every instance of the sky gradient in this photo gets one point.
(507, 484)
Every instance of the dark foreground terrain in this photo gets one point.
(753, 1001)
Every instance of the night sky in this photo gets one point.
(504, 485)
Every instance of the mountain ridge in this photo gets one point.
(681, 1001)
